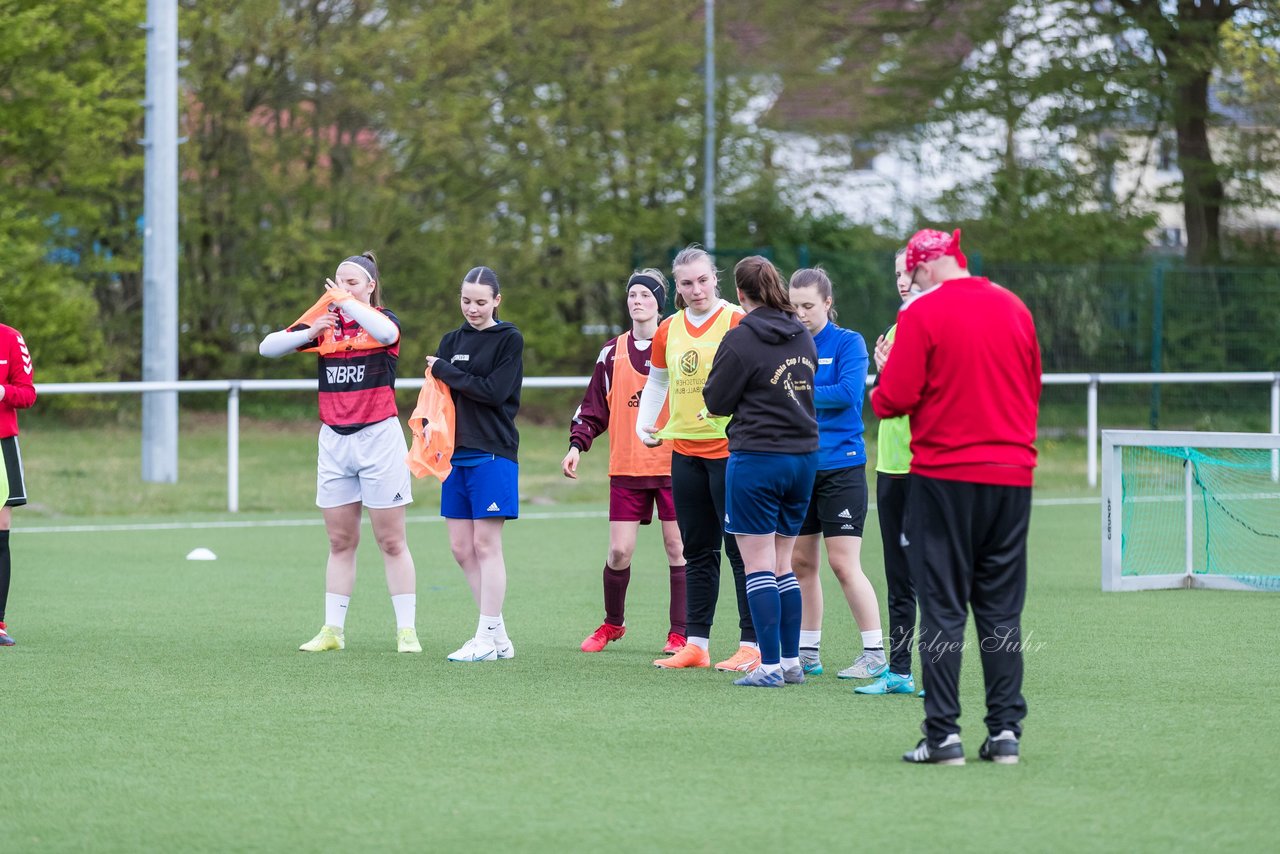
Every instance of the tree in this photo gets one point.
(558, 143)
(70, 86)
(1186, 38)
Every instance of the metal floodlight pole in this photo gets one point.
(709, 143)
(160, 244)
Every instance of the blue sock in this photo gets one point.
(762, 597)
(790, 615)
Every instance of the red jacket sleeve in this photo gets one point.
(903, 378)
(19, 386)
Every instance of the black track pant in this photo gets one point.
(697, 487)
(891, 505)
(968, 548)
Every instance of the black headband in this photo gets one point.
(654, 285)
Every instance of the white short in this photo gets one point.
(366, 466)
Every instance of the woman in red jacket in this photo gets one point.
(16, 392)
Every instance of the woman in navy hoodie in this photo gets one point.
(482, 362)
(763, 375)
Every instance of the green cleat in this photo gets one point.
(330, 637)
(407, 641)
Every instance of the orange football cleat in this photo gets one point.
(745, 660)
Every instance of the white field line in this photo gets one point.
(317, 521)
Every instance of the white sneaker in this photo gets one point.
(506, 649)
(475, 650)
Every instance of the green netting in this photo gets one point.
(1234, 500)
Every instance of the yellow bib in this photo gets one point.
(688, 364)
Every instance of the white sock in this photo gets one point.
(751, 644)
(406, 607)
(771, 668)
(790, 662)
(500, 633)
(810, 640)
(700, 643)
(487, 628)
(873, 640)
(335, 609)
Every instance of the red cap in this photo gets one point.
(930, 245)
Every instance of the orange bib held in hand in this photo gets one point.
(432, 426)
(326, 344)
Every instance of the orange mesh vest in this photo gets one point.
(628, 456)
(326, 344)
(432, 426)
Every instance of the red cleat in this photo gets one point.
(601, 636)
(5, 640)
(675, 643)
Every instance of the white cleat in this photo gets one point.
(506, 649)
(475, 650)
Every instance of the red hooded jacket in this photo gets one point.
(965, 365)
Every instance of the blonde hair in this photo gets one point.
(692, 254)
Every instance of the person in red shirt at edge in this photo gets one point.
(965, 365)
(17, 391)
(639, 476)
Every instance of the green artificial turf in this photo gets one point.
(158, 704)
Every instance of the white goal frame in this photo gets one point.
(1112, 497)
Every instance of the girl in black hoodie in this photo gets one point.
(482, 362)
(763, 375)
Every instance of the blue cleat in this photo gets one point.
(759, 679)
(889, 683)
(5, 640)
(793, 675)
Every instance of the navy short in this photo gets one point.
(839, 504)
(767, 493)
(490, 490)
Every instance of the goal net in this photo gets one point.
(1187, 509)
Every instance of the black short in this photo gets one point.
(11, 458)
(839, 504)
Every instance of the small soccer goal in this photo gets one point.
(1187, 509)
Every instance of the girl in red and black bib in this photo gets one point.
(362, 445)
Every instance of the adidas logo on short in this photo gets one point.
(848, 528)
(397, 498)
(844, 514)
(492, 508)
(903, 541)
(726, 518)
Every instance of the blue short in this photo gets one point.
(768, 493)
(490, 490)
